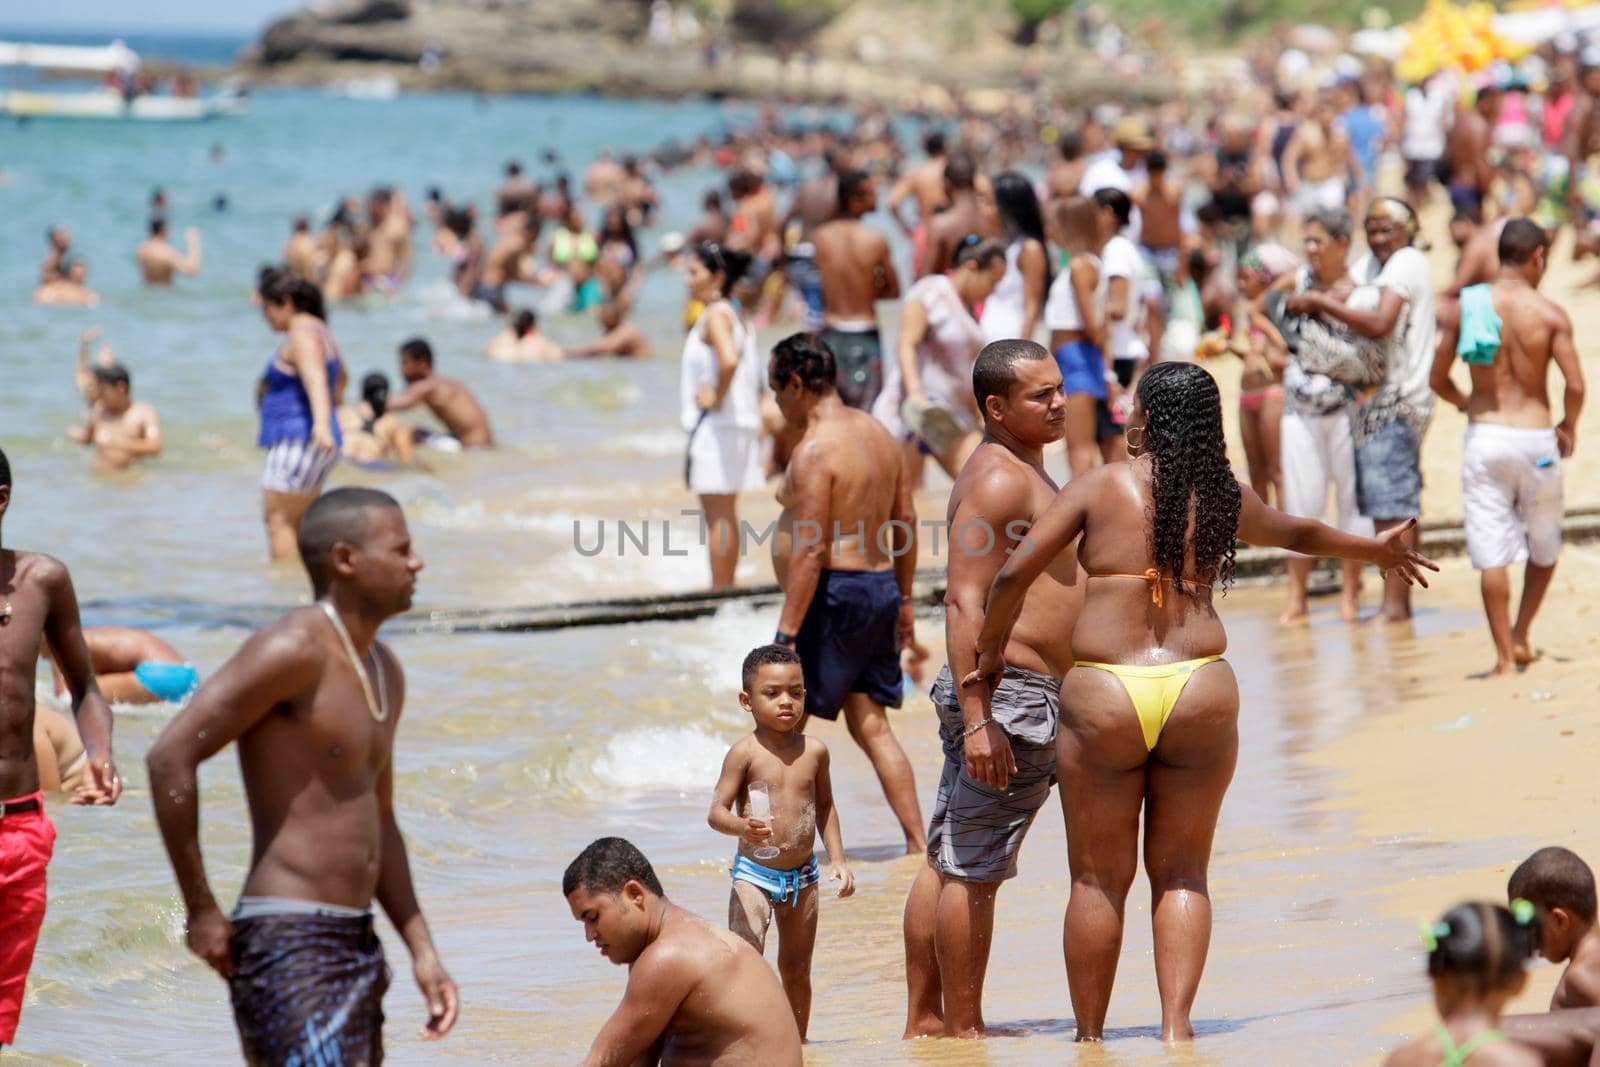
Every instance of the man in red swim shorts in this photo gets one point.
(37, 604)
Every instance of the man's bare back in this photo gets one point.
(857, 270)
(453, 404)
(858, 461)
(925, 185)
(1467, 149)
(965, 215)
(1514, 390)
(159, 260)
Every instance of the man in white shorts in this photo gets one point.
(1509, 334)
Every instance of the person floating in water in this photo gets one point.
(314, 702)
(135, 667)
(696, 993)
(791, 770)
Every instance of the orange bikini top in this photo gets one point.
(1156, 581)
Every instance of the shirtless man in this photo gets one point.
(451, 402)
(966, 214)
(505, 263)
(999, 749)
(1511, 464)
(37, 605)
(301, 255)
(753, 229)
(521, 342)
(697, 993)
(923, 183)
(815, 203)
(388, 259)
(314, 702)
(602, 182)
(70, 288)
(1318, 160)
(621, 337)
(121, 431)
(54, 264)
(1467, 151)
(1066, 173)
(159, 259)
(857, 271)
(516, 193)
(1580, 134)
(851, 558)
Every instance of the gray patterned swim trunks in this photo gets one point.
(976, 831)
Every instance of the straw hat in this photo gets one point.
(1133, 133)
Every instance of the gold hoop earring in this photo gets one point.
(1135, 446)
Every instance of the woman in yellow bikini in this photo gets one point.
(1149, 713)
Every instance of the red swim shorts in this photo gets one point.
(26, 842)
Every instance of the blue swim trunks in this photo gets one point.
(1083, 369)
(781, 886)
(172, 682)
(848, 642)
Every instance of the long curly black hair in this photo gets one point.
(1189, 474)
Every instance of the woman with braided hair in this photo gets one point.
(1149, 712)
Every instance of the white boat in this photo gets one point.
(102, 103)
(376, 87)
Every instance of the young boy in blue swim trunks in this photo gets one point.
(794, 768)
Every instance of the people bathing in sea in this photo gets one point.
(777, 778)
(68, 288)
(1477, 954)
(134, 666)
(374, 436)
(1560, 886)
(450, 401)
(121, 431)
(159, 259)
(297, 398)
(619, 338)
(1509, 335)
(521, 342)
(696, 993)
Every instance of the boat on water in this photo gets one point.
(119, 98)
(375, 87)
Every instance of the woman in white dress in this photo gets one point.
(720, 403)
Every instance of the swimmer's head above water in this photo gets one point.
(613, 891)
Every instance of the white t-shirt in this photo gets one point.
(1061, 311)
(1405, 392)
(1120, 258)
(1427, 121)
(1105, 172)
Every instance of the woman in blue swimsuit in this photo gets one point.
(297, 396)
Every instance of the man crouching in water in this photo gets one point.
(999, 746)
(314, 701)
(696, 993)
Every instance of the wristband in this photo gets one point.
(969, 731)
(781, 638)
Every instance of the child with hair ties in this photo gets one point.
(1476, 955)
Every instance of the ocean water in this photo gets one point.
(518, 749)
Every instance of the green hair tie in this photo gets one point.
(1522, 911)
(1431, 933)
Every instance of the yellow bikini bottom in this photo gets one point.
(1153, 690)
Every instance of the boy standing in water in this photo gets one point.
(37, 604)
(794, 769)
(1561, 887)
